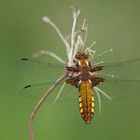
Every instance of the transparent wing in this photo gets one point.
(119, 88)
(116, 88)
(41, 69)
(123, 69)
(36, 91)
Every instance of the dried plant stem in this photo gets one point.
(46, 94)
(49, 53)
(48, 21)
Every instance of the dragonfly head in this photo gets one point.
(81, 55)
(81, 59)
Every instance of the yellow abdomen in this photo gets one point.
(86, 100)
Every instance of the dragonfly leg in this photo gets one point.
(40, 102)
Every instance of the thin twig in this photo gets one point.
(105, 94)
(46, 94)
(99, 99)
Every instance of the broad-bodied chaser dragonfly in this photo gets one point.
(82, 76)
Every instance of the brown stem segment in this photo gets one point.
(40, 102)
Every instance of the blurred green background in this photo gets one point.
(112, 24)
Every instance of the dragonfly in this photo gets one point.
(82, 76)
